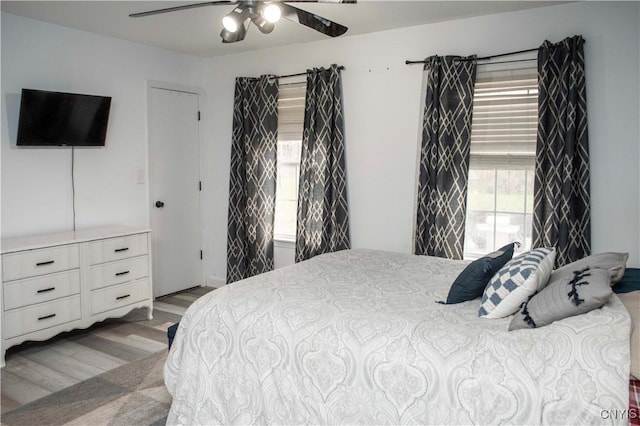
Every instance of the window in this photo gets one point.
(290, 127)
(501, 168)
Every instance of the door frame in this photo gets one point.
(154, 84)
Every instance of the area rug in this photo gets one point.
(133, 394)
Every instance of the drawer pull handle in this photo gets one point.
(46, 316)
(121, 273)
(48, 262)
(121, 249)
(122, 297)
(44, 290)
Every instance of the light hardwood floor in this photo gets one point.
(36, 369)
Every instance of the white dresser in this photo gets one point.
(60, 282)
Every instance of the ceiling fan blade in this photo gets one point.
(310, 20)
(323, 1)
(184, 7)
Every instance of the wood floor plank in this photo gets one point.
(66, 348)
(90, 356)
(20, 390)
(173, 300)
(164, 326)
(161, 317)
(186, 297)
(126, 329)
(201, 291)
(143, 342)
(35, 368)
(116, 349)
(7, 404)
(134, 341)
(45, 377)
(167, 307)
(69, 366)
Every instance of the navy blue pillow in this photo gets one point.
(473, 279)
(171, 333)
(630, 281)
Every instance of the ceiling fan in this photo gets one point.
(263, 14)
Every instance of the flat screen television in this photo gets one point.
(62, 119)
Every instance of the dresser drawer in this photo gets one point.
(31, 263)
(39, 317)
(41, 289)
(117, 296)
(119, 272)
(111, 249)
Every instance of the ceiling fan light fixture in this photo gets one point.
(238, 35)
(229, 24)
(271, 12)
(264, 14)
(233, 21)
(263, 25)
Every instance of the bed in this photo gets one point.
(356, 337)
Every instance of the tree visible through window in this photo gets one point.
(290, 128)
(503, 142)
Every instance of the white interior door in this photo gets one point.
(175, 190)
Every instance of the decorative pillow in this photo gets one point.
(629, 282)
(474, 278)
(584, 291)
(512, 285)
(613, 262)
(631, 301)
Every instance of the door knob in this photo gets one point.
(159, 204)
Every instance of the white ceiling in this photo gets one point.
(196, 31)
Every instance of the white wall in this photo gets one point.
(382, 115)
(382, 112)
(36, 183)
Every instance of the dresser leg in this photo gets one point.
(150, 312)
(2, 363)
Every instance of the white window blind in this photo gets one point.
(291, 111)
(505, 117)
(503, 145)
(290, 127)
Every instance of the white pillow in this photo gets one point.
(520, 278)
(611, 261)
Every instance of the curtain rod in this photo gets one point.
(340, 68)
(485, 58)
(510, 62)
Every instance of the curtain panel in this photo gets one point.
(252, 182)
(444, 156)
(323, 212)
(562, 206)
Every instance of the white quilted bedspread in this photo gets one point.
(356, 337)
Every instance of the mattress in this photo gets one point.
(357, 337)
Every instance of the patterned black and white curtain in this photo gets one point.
(444, 156)
(323, 212)
(562, 207)
(252, 183)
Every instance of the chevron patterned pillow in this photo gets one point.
(516, 281)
